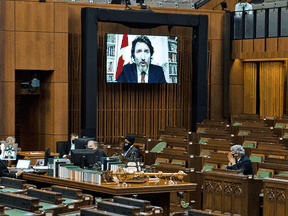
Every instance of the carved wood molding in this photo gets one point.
(227, 189)
(237, 190)
(217, 187)
(208, 186)
(270, 194)
(281, 198)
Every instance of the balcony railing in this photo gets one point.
(260, 23)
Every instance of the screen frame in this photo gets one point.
(118, 44)
(145, 20)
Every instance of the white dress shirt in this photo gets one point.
(139, 75)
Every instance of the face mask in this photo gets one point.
(126, 146)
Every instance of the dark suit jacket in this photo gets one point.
(100, 153)
(65, 149)
(131, 151)
(4, 172)
(129, 74)
(244, 165)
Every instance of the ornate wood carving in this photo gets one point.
(208, 186)
(227, 189)
(270, 194)
(237, 190)
(281, 198)
(217, 187)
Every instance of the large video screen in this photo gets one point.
(141, 58)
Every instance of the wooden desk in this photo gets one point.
(225, 191)
(34, 155)
(275, 196)
(158, 193)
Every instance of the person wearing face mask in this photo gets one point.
(68, 146)
(141, 71)
(4, 172)
(239, 161)
(129, 151)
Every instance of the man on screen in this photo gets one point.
(141, 71)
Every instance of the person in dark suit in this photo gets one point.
(141, 71)
(129, 151)
(4, 172)
(94, 145)
(239, 161)
(68, 146)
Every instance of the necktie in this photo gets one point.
(143, 77)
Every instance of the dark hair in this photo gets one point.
(74, 134)
(143, 39)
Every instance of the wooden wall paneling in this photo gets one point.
(236, 72)
(30, 141)
(216, 101)
(283, 47)
(216, 23)
(8, 15)
(247, 48)
(60, 107)
(259, 47)
(236, 49)
(47, 108)
(34, 16)
(7, 104)
(61, 17)
(61, 58)
(34, 51)
(236, 98)
(271, 48)
(7, 60)
(217, 62)
(74, 88)
(30, 114)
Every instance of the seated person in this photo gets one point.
(94, 145)
(239, 161)
(68, 146)
(129, 151)
(9, 155)
(4, 172)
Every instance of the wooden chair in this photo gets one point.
(263, 173)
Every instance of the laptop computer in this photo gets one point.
(22, 164)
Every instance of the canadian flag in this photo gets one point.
(121, 60)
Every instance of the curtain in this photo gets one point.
(250, 82)
(271, 89)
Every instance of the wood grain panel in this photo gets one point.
(216, 101)
(283, 47)
(30, 114)
(236, 72)
(247, 45)
(34, 51)
(217, 62)
(61, 17)
(34, 16)
(216, 23)
(61, 58)
(236, 49)
(236, 98)
(7, 104)
(7, 63)
(60, 108)
(30, 141)
(74, 87)
(271, 44)
(47, 108)
(9, 15)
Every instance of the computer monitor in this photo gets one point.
(81, 143)
(47, 156)
(83, 157)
